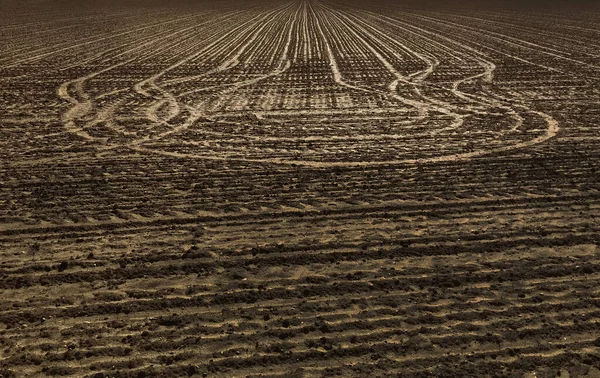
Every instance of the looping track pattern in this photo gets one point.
(315, 86)
(307, 189)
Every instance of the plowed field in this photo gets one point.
(306, 189)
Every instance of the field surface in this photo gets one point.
(302, 189)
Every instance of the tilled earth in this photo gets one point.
(306, 189)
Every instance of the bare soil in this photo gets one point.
(308, 189)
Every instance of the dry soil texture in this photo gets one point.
(305, 189)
